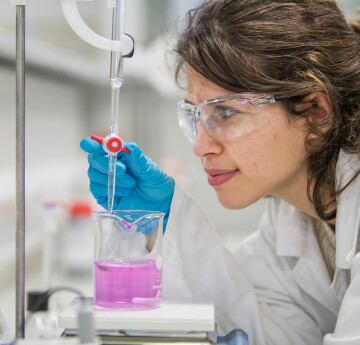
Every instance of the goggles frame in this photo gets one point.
(251, 98)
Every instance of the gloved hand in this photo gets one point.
(140, 184)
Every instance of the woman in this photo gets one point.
(273, 110)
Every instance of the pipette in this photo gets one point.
(121, 45)
(116, 62)
(116, 80)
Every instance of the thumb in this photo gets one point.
(136, 161)
(91, 146)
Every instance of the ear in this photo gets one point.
(322, 106)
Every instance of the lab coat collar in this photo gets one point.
(348, 210)
(296, 238)
(293, 226)
(291, 231)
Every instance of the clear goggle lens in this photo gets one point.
(222, 119)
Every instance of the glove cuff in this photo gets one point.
(166, 218)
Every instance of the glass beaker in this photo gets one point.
(128, 259)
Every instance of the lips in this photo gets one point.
(217, 177)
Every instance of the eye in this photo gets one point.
(226, 112)
(187, 111)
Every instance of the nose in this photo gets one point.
(205, 144)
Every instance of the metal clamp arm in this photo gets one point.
(72, 15)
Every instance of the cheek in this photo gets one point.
(267, 154)
(253, 154)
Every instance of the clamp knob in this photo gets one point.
(112, 144)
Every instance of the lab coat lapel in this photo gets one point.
(348, 212)
(311, 274)
(347, 221)
(296, 238)
(290, 235)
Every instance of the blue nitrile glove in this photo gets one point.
(140, 184)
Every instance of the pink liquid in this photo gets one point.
(127, 284)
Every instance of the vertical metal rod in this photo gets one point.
(20, 171)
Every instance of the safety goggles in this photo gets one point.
(227, 117)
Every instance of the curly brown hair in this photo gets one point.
(288, 47)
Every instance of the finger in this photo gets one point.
(91, 146)
(120, 192)
(136, 161)
(97, 177)
(101, 163)
(102, 201)
(98, 190)
(121, 181)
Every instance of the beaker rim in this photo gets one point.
(123, 216)
(135, 215)
(138, 212)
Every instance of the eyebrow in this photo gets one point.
(187, 101)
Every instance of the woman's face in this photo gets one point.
(270, 160)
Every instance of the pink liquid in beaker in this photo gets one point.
(130, 284)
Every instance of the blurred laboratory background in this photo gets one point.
(67, 99)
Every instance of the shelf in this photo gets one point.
(147, 65)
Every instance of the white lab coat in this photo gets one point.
(276, 286)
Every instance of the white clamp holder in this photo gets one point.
(72, 15)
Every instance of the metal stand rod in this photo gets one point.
(20, 171)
